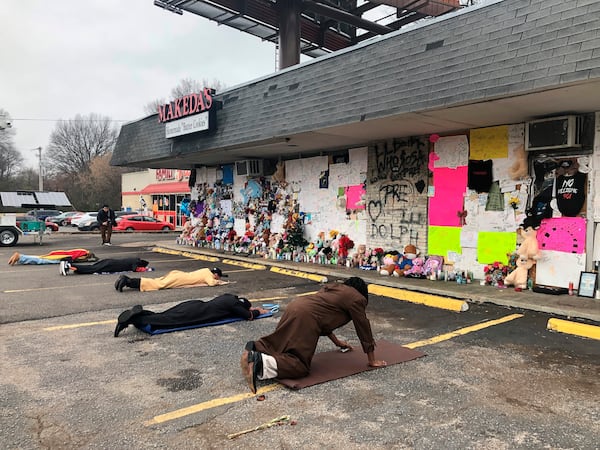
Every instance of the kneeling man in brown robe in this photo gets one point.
(288, 351)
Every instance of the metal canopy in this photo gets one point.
(325, 26)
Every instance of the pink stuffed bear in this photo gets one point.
(416, 271)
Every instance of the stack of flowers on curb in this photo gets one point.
(495, 273)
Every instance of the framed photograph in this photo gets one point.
(587, 284)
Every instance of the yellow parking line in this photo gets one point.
(12, 291)
(297, 273)
(577, 329)
(234, 262)
(199, 257)
(184, 253)
(177, 414)
(436, 301)
(78, 325)
(462, 331)
(209, 404)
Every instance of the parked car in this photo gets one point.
(51, 225)
(137, 222)
(91, 224)
(43, 213)
(65, 218)
(77, 220)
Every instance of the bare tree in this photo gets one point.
(152, 107)
(100, 184)
(184, 87)
(74, 143)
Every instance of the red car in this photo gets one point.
(51, 226)
(137, 222)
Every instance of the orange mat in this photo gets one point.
(327, 366)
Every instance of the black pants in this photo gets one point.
(108, 265)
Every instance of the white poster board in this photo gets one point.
(556, 268)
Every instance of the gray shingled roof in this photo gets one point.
(499, 49)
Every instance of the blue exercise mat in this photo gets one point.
(147, 328)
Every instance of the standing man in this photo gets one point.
(106, 218)
(288, 351)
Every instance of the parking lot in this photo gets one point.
(491, 378)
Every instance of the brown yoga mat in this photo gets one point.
(327, 366)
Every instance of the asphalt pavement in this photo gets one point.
(493, 376)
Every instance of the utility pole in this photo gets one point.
(41, 178)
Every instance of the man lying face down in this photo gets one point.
(109, 265)
(189, 313)
(174, 279)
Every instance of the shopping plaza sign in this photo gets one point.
(188, 114)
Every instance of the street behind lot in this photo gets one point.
(67, 383)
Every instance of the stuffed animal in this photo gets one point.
(416, 271)
(518, 277)
(433, 263)
(410, 253)
(529, 246)
(360, 257)
(390, 265)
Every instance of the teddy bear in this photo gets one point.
(526, 256)
(360, 256)
(406, 262)
(390, 265)
(416, 271)
(518, 277)
(529, 245)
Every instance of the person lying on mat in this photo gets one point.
(174, 279)
(190, 313)
(54, 257)
(109, 265)
(288, 351)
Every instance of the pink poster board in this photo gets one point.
(450, 186)
(354, 195)
(563, 234)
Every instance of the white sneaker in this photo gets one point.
(107, 243)
(62, 269)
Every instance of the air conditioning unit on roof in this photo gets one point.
(553, 133)
(249, 167)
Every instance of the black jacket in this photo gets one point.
(106, 216)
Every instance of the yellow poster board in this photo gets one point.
(495, 246)
(441, 240)
(489, 143)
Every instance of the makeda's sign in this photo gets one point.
(188, 114)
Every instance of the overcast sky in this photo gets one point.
(60, 58)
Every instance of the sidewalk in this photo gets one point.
(571, 307)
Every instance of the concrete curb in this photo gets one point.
(574, 328)
(434, 301)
